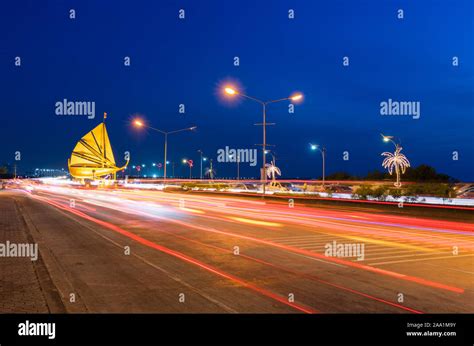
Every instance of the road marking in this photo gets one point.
(373, 241)
(255, 222)
(320, 260)
(384, 250)
(357, 265)
(409, 255)
(386, 243)
(406, 230)
(420, 259)
(299, 238)
(313, 247)
(308, 243)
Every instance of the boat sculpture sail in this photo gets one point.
(92, 157)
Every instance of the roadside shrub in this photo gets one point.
(379, 193)
(395, 192)
(433, 189)
(362, 192)
(218, 186)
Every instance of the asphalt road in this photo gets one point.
(150, 251)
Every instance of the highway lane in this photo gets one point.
(195, 253)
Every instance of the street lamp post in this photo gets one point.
(323, 154)
(139, 123)
(190, 164)
(391, 139)
(296, 97)
(173, 164)
(200, 152)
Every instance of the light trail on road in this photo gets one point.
(184, 258)
(211, 222)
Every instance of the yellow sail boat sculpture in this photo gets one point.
(92, 157)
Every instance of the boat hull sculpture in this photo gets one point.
(92, 158)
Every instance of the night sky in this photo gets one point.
(186, 61)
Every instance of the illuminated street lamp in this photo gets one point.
(230, 91)
(315, 147)
(190, 163)
(139, 123)
(295, 97)
(395, 141)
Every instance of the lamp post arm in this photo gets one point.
(279, 100)
(252, 98)
(181, 130)
(155, 129)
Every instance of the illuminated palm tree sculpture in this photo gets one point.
(397, 162)
(272, 170)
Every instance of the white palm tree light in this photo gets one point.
(272, 170)
(397, 162)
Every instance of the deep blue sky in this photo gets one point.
(174, 61)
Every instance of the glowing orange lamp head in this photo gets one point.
(296, 97)
(230, 91)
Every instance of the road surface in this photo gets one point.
(151, 251)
